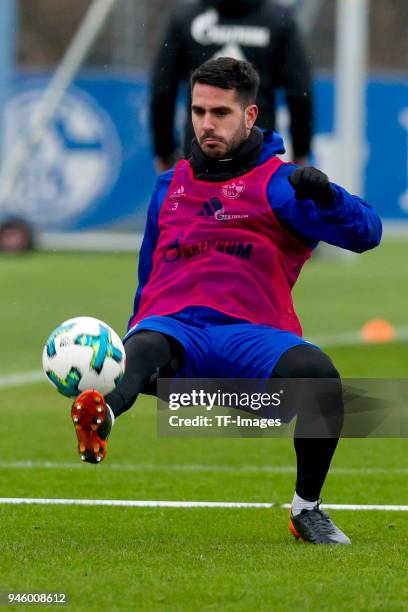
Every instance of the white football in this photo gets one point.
(84, 353)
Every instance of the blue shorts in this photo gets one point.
(219, 346)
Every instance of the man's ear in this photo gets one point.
(251, 113)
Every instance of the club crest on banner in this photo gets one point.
(76, 163)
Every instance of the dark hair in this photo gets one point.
(229, 73)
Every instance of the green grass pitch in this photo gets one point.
(193, 559)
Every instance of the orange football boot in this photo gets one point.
(292, 528)
(92, 424)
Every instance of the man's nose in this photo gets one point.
(208, 123)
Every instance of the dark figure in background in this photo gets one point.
(259, 31)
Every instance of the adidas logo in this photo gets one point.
(214, 211)
(210, 208)
(179, 193)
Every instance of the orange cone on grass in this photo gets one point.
(378, 330)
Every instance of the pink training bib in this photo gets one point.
(221, 246)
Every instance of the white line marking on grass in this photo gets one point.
(130, 503)
(341, 339)
(354, 338)
(145, 467)
(190, 467)
(384, 507)
(21, 378)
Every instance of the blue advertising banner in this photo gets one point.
(386, 176)
(94, 167)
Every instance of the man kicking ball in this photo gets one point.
(228, 232)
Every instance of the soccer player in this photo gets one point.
(227, 234)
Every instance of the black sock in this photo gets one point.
(313, 454)
(146, 353)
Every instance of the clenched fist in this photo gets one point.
(312, 184)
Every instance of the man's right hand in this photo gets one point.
(312, 183)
